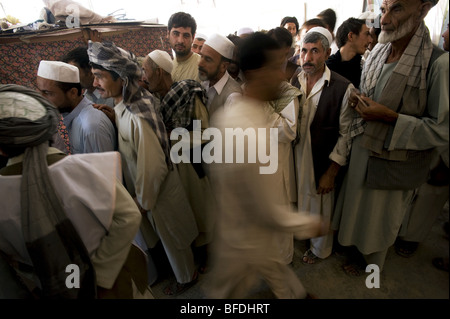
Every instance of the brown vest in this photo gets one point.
(325, 126)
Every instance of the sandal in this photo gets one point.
(354, 269)
(406, 248)
(176, 288)
(309, 257)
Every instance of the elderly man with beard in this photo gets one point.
(402, 116)
(215, 55)
(180, 104)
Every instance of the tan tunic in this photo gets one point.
(186, 70)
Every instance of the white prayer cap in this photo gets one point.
(221, 44)
(201, 36)
(163, 59)
(245, 30)
(59, 71)
(322, 31)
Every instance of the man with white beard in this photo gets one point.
(402, 115)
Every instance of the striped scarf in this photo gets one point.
(178, 105)
(137, 100)
(405, 91)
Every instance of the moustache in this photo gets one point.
(202, 70)
(308, 64)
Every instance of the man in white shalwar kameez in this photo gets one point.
(251, 220)
(149, 173)
(324, 124)
(403, 117)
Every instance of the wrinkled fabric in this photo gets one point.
(51, 239)
(137, 100)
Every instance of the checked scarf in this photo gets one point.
(405, 91)
(137, 100)
(178, 105)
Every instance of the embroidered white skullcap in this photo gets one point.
(244, 30)
(201, 36)
(221, 44)
(163, 59)
(59, 71)
(20, 105)
(322, 31)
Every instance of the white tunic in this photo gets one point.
(94, 200)
(158, 190)
(308, 199)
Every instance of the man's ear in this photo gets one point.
(328, 53)
(425, 7)
(350, 36)
(73, 92)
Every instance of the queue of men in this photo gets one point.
(354, 139)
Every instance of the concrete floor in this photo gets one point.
(403, 278)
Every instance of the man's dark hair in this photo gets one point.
(329, 17)
(79, 56)
(314, 22)
(254, 51)
(182, 20)
(67, 86)
(350, 25)
(281, 35)
(289, 20)
(114, 75)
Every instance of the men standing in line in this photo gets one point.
(149, 173)
(89, 130)
(181, 30)
(403, 117)
(323, 136)
(59, 210)
(212, 68)
(181, 103)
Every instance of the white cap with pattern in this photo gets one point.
(59, 71)
(221, 44)
(162, 59)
